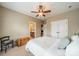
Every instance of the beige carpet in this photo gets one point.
(17, 51)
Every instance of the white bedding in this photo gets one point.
(57, 52)
(43, 46)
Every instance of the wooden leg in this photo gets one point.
(1, 47)
(5, 49)
(12, 44)
(8, 46)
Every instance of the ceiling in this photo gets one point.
(26, 7)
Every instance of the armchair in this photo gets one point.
(6, 42)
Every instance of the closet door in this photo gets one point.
(59, 28)
(54, 29)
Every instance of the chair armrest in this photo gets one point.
(5, 38)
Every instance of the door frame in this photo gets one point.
(34, 27)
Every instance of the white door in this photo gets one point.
(59, 28)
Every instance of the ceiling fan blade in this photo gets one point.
(37, 15)
(34, 11)
(47, 11)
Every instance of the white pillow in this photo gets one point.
(72, 49)
(75, 37)
(63, 43)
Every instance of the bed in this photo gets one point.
(46, 46)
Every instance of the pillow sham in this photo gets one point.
(74, 37)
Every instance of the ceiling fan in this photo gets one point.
(41, 11)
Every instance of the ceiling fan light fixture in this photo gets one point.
(40, 14)
(41, 11)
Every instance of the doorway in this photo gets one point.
(32, 29)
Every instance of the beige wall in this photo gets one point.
(16, 24)
(73, 20)
(0, 21)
